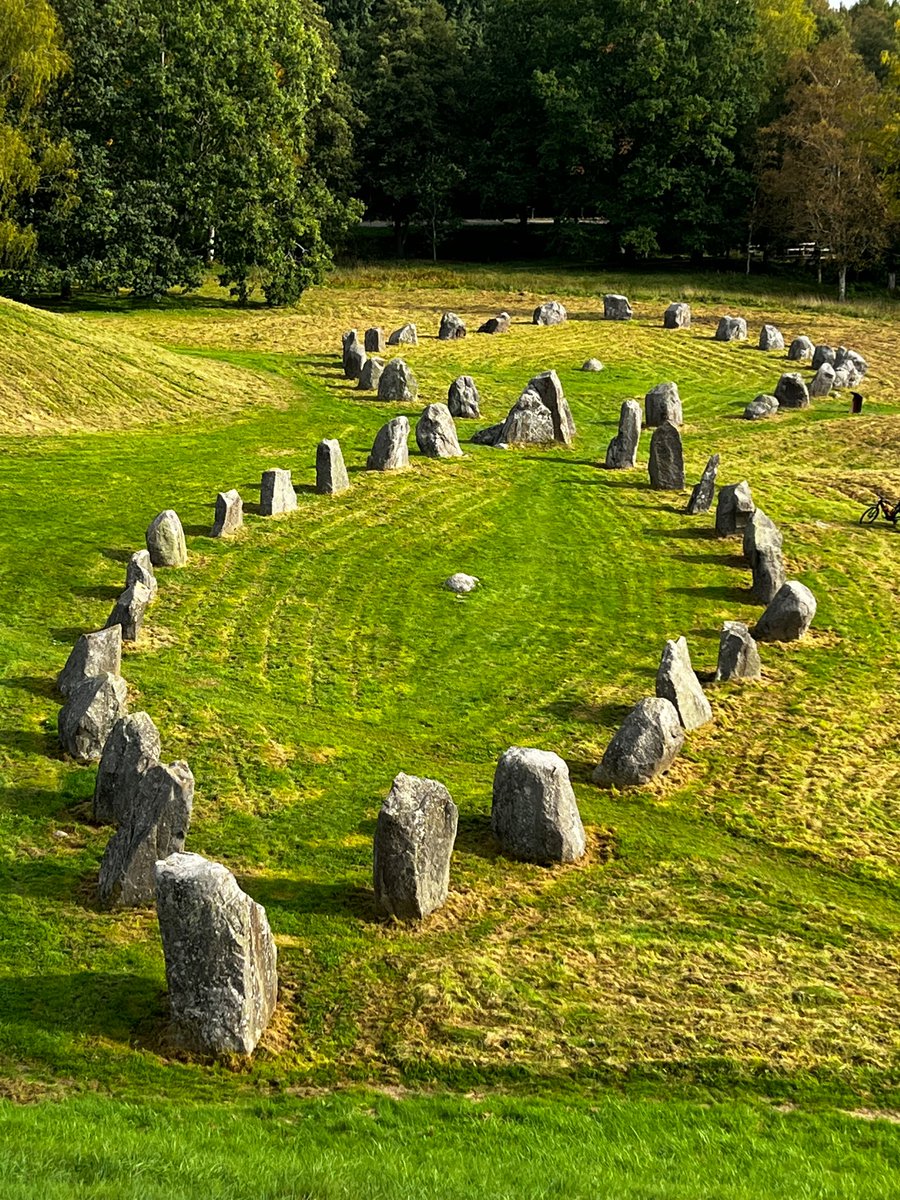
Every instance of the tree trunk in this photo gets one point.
(749, 244)
(842, 283)
(892, 281)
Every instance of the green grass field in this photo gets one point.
(683, 1013)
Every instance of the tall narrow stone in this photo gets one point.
(331, 474)
(676, 681)
(666, 464)
(548, 387)
(128, 611)
(140, 570)
(703, 492)
(229, 513)
(762, 550)
(414, 840)
(276, 492)
(734, 509)
(621, 453)
(132, 747)
(374, 340)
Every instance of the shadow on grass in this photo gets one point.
(716, 592)
(199, 531)
(473, 836)
(69, 633)
(115, 554)
(724, 560)
(67, 878)
(38, 685)
(311, 896)
(31, 741)
(691, 533)
(574, 709)
(98, 592)
(124, 1007)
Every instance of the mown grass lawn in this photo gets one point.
(733, 931)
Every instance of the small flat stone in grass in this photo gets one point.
(592, 364)
(461, 583)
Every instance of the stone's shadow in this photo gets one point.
(65, 878)
(70, 633)
(716, 592)
(610, 715)
(700, 532)
(582, 770)
(198, 531)
(32, 741)
(725, 560)
(250, 487)
(566, 462)
(38, 685)
(98, 592)
(473, 836)
(305, 489)
(310, 896)
(122, 1007)
(117, 555)
(251, 509)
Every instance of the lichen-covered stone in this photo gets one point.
(548, 387)
(463, 399)
(331, 474)
(646, 743)
(676, 681)
(788, 616)
(771, 338)
(703, 491)
(390, 451)
(229, 513)
(452, 327)
(276, 492)
(140, 570)
(800, 349)
(414, 839)
(436, 433)
(86, 719)
(528, 422)
(128, 611)
(370, 375)
(761, 407)
(677, 316)
(663, 403)
(621, 453)
(534, 814)
(731, 329)
(406, 335)
(397, 383)
(98, 653)
(734, 508)
(791, 391)
(551, 312)
(165, 540)
(666, 465)
(617, 308)
(132, 747)
(738, 653)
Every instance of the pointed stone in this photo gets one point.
(663, 403)
(734, 508)
(647, 743)
(770, 338)
(128, 611)
(666, 465)
(132, 747)
(390, 451)
(498, 324)
(534, 813)
(397, 382)
(406, 335)
(140, 570)
(463, 399)
(703, 492)
(370, 375)
(94, 654)
(548, 387)
(86, 719)
(528, 422)
(677, 682)
(414, 839)
(276, 492)
(229, 513)
(788, 616)
(762, 550)
(436, 433)
(738, 653)
(621, 453)
(331, 474)
(165, 540)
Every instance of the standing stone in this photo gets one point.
(397, 383)
(762, 550)
(331, 474)
(731, 329)
(463, 399)
(617, 308)
(823, 380)
(133, 746)
(436, 433)
(666, 464)
(550, 390)
(621, 453)
(677, 316)
(789, 614)
(452, 327)
(406, 335)
(528, 422)
(645, 744)
(414, 840)
(844, 356)
(498, 324)
(703, 492)
(734, 508)
(370, 375)
(800, 349)
(845, 376)
(354, 361)
(551, 312)
(93, 654)
(140, 570)
(348, 340)
(762, 407)
(86, 719)
(154, 827)
(374, 340)
(823, 354)
(791, 391)
(663, 403)
(128, 612)
(229, 513)
(276, 492)
(771, 338)
(738, 653)
(165, 540)
(390, 451)
(220, 957)
(677, 682)
(534, 813)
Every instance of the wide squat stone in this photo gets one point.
(534, 813)
(788, 615)
(592, 364)
(677, 682)
(663, 403)
(461, 583)
(762, 550)
(154, 827)
(498, 324)
(452, 327)
(370, 375)
(762, 407)
(771, 338)
(800, 349)
(645, 744)
(677, 316)
(331, 474)
(373, 342)
(165, 540)
(666, 465)
(738, 653)
(131, 748)
(436, 433)
(140, 570)
(703, 492)
(414, 839)
(621, 453)
(93, 654)
(551, 312)
(276, 492)
(734, 508)
(397, 382)
(229, 513)
(823, 354)
(463, 399)
(617, 308)
(528, 422)
(220, 957)
(128, 611)
(86, 719)
(406, 335)
(390, 451)
(791, 391)
(548, 386)
(731, 329)
(823, 380)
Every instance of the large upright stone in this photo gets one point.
(165, 540)
(761, 407)
(734, 508)
(220, 957)
(276, 492)
(844, 356)
(463, 399)
(731, 329)
(621, 453)
(771, 338)
(133, 746)
(348, 340)
(414, 839)
(551, 312)
(128, 611)
(406, 335)
(789, 614)
(528, 422)
(436, 433)
(666, 465)
(370, 375)
(617, 308)
(86, 719)
(738, 653)
(229, 513)
(155, 826)
(374, 340)
(498, 324)
(645, 744)
(677, 316)
(800, 349)
(390, 451)
(762, 550)
(823, 354)
(845, 376)
(93, 654)
(823, 380)
(534, 813)
(452, 327)
(397, 382)
(140, 570)
(354, 361)
(331, 474)
(676, 681)
(663, 403)
(791, 391)
(548, 387)
(703, 492)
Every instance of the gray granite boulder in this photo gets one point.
(762, 550)
(331, 474)
(621, 453)
(646, 743)
(133, 746)
(155, 826)
(490, 436)
(128, 611)
(823, 354)
(771, 338)
(823, 381)
(452, 327)
(666, 464)
(498, 324)
(463, 399)
(551, 312)
(528, 422)
(677, 682)
(140, 570)
(373, 340)
(761, 408)
(677, 316)
(276, 492)
(703, 492)
(617, 308)
(731, 329)
(534, 813)
(390, 451)
(791, 391)
(165, 540)
(349, 340)
(397, 383)
(788, 616)
(663, 403)
(220, 957)
(370, 375)
(734, 508)
(85, 721)
(845, 376)
(800, 349)
(461, 584)
(436, 433)
(406, 335)
(548, 387)
(414, 839)
(738, 653)
(354, 361)
(93, 654)
(592, 364)
(229, 513)
(844, 356)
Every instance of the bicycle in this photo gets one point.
(881, 507)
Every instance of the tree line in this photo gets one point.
(142, 141)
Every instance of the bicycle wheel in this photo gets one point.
(870, 515)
